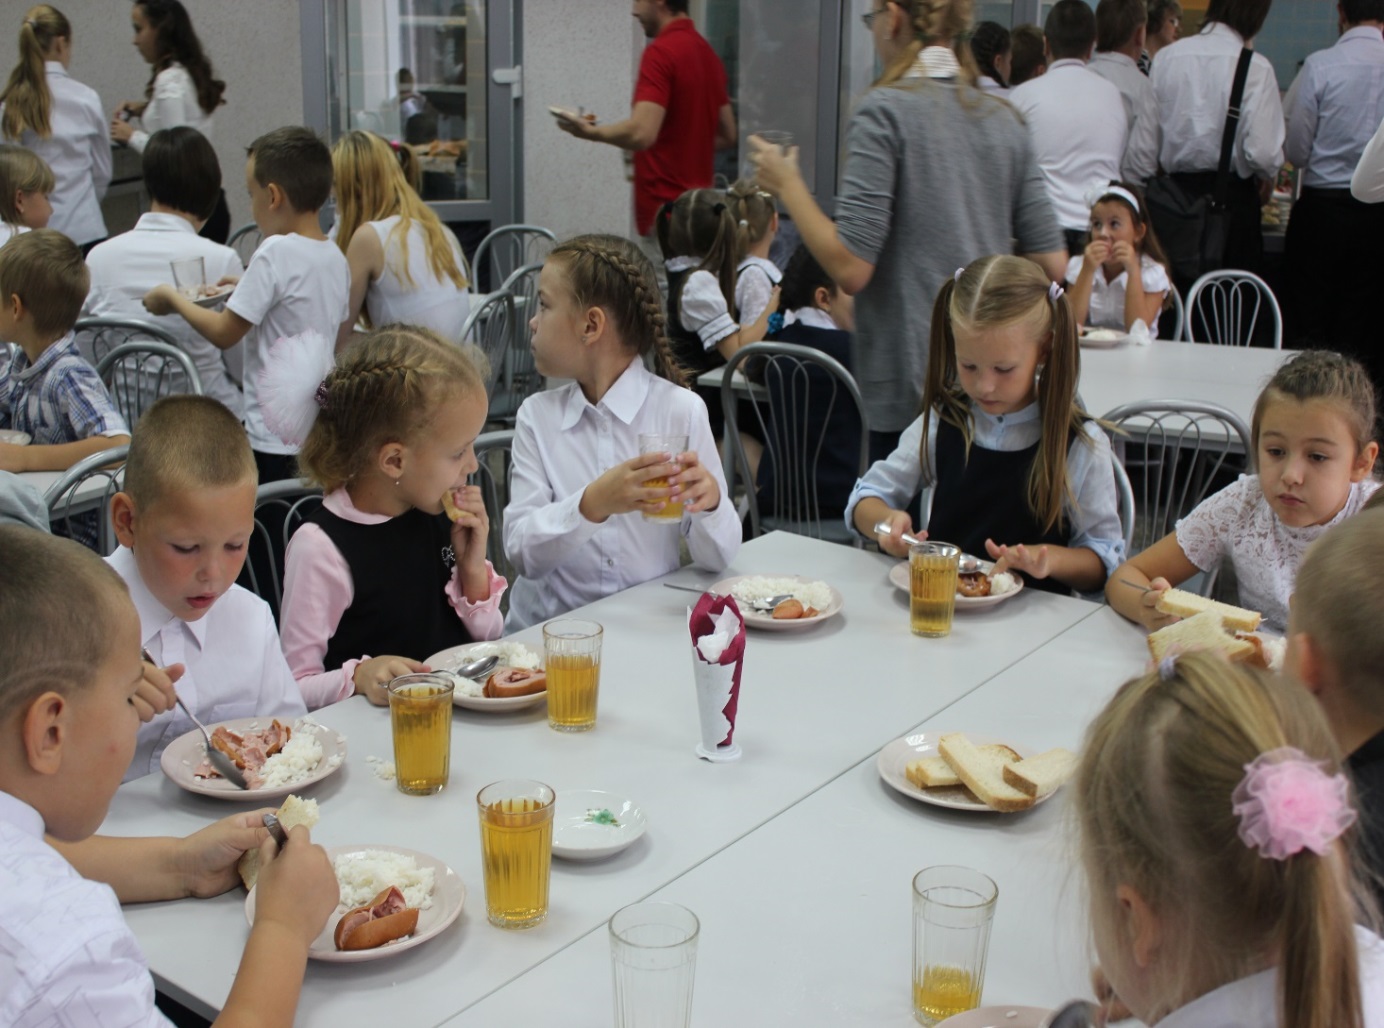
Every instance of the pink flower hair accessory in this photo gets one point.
(1287, 803)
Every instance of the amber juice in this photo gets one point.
(516, 851)
(671, 509)
(420, 713)
(932, 587)
(944, 992)
(573, 681)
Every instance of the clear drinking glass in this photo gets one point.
(932, 571)
(420, 713)
(653, 954)
(516, 851)
(774, 137)
(189, 276)
(671, 511)
(953, 908)
(572, 662)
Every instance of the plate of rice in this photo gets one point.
(813, 594)
(312, 752)
(468, 693)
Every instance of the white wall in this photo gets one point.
(253, 46)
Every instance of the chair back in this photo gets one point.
(808, 410)
(490, 326)
(1229, 305)
(138, 374)
(79, 502)
(519, 378)
(1124, 490)
(245, 241)
(507, 249)
(280, 510)
(97, 337)
(495, 453)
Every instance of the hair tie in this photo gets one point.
(292, 384)
(1167, 667)
(957, 276)
(320, 396)
(1054, 291)
(744, 223)
(1287, 803)
(775, 323)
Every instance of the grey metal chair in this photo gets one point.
(138, 374)
(507, 249)
(519, 378)
(490, 326)
(495, 453)
(97, 337)
(808, 401)
(245, 241)
(79, 502)
(280, 509)
(1229, 304)
(1124, 490)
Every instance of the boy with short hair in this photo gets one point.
(184, 521)
(46, 389)
(298, 280)
(71, 643)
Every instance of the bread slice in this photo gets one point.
(936, 773)
(1183, 604)
(1043, 774)
(1204, 631)
(294, 812)
(981, 774)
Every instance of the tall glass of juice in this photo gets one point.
(671, 511)
(516, 851)
(932, 571)
(572, 661)
(953, 908)
(420, 712)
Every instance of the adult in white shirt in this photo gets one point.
(1192, 80)
(1367, 183)
(1333, 108)
(1077, 119)
(183, 179)
(182, 89)
(1120, 33)
(61, 120)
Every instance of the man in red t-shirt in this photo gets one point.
(680, 117)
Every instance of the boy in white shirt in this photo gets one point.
(184, 521)
(68, 714)
(183, 179)
(298, 280)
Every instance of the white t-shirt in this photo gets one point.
(8, 231)
(127, 266)
(429, 302)
(1108, 298)
(293, 285)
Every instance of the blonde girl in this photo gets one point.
(60, 120)
(1018, 470)
(1122, 276)
(387, 432)
(573, 527)
(406, 266)
(25, 182)
(1312, 434)
(756, 276)
(1210, 808)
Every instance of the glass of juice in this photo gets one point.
(932, 593)
(671, 511)
(420, 712)
(516, 851)
(572, 659)
(653, 955)
(953, 908)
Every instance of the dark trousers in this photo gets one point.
(1244, 248)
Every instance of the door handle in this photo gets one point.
(512, 77)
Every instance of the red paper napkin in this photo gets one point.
(702, 623)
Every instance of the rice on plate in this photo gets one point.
(762, 587)
(511, 654)
(364, 874)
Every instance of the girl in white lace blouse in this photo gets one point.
(1314, 453)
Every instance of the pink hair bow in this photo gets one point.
(1287, 803)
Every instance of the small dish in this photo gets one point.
(452, 658)
(184, 753)
(581, 833)
(15, 437)
(765, 619)
(215, 299)
(448, 895)
(998, 1017)
(898, 575)
(894, 759)
(1102, 338)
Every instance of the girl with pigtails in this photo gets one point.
(380, 570)
(573, 527)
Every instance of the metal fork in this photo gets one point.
(223, 764)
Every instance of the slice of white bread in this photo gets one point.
(294, 812)
(1043, 774)
(934, 772)
(1204, 631)
(1183, 604)
(981, 774)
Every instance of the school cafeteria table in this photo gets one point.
(89, 495)
(813, 705)
(808, 920)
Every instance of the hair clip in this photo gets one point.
(321, 395)
(1167, 667)
(1287, 803)
(957, 276)
(775, 323)
(744, 223)
(1054, 291)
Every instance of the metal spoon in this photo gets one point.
(1076, 1014)
(969, 565)
(478, 668)
(222, 763)
(685, 588)
(276, 830)
(760, 605)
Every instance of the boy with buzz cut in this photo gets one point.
(47, 390)
(184, 521)
(298, 280)
(67, 729)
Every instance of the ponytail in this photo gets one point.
(27, 99)
(700, 224)
(942, 392)
(1049, 486)
(1318, 971)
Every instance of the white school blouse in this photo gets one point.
(428, 301)
(235, 666)
(67, 957)
(562, 444)
(79, 152)
(1107, 308)
(755, 278)
(173, 103)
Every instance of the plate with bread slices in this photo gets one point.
(974, 591)
(973, 772)
(516, 682)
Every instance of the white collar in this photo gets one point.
(623, 399)
(676, 264)
(162, 221)
(812, 317)
(1221, 30)
(1115, 56)
(154, 617)
(16, 812)
(55, 68)
(1362, 32)
(1067, 62)
(1018, 417)
(934, 62)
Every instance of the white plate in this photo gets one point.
(214, 300)
(998, 1017)
(1102, 338)
(898, 575)
(456, 656)
(185, 752)
(15, 437)
(576, 838)
(449, 893)
(894, 759)
(765, 620)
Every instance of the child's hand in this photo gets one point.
(1128, 257)
(471, 530)
(1033, 562)
(159, 300)
(1149, 615)
(206, 860)
(372, 676)
(228, 280)
(297, 887)
(900, 524)
(154, 695)
(694, 485)
(624, 489)
(1097, 252)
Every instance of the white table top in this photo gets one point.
(812, 706)
(807, 920)
(89, 495)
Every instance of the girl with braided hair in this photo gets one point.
(387, 432)
(573, 527)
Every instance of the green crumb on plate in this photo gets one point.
(602, 817)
